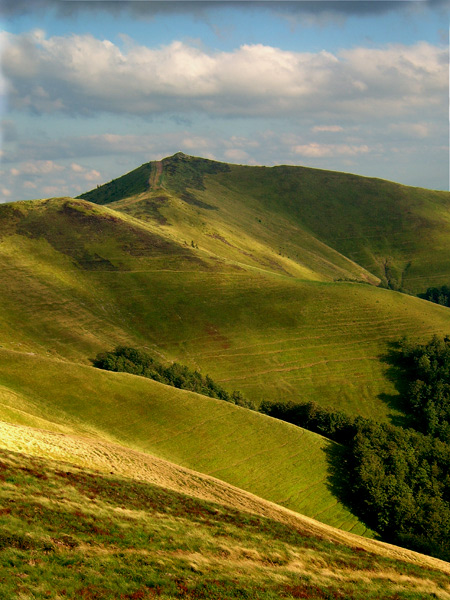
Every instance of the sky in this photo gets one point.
(90, 90)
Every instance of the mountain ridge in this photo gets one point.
(372, 222)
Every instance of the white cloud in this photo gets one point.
(36, 167)
(327, 128)
(55, 191)
(196, 143)
(236, 154)
(329, 150)
(80, 74)
(411, 130)
(92, 175)
(84, 173)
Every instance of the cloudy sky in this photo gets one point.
(93, 89)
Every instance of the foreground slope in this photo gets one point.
(272, 459)
(78, 534)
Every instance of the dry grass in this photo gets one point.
(114, 459)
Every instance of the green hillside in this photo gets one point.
(73, 533)
(246, 274)
(269, 458)
(295, 216)
(86, 278)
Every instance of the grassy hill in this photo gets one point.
(296, 216)
(86, 278)
(269, 458)
(77, 533)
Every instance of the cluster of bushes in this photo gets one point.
(137, 362)
(438, 295)
(335, 425)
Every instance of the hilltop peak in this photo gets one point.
(181, 156)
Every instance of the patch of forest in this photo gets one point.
(438, 295)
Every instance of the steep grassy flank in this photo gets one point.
(398, 233)
(130, 184)
(188, 204)
(279, 216)
(272, 459)
(65, 533)
(78, 279)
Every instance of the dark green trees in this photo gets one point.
(137, 362)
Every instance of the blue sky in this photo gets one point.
(94, 89)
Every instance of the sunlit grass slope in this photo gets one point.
(272, 459)
(77, 279)
(290, 218)
(225, 223)
(73, 533)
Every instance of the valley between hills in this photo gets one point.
(288, 284)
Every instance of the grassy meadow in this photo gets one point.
(272, 459)
(87, 278)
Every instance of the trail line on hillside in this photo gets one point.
(155, 177)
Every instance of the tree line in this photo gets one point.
(398, 479)
(438, 295)
(137, 362)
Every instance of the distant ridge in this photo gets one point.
(399, 234)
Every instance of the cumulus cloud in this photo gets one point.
(43, 178)
(236, 155)
(85, 75)
(329, 150)
(37, 167)
(327, 128)
(411, 130)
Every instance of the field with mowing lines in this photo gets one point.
(76, 533)
(272, 336)
(272, 459)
